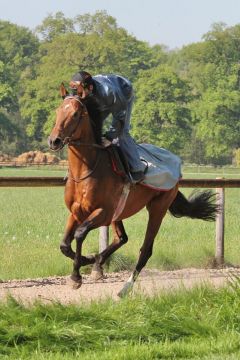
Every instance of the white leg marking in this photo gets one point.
(128, 285)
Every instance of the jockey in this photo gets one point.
(113, 94)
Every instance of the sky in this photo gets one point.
(173, 23)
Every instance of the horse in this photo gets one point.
(93, 191)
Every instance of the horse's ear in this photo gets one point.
(63, 91)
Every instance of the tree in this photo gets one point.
(161, 115)
(186, 100)
(98, 23)
(7, 96)
(112, 50)
(13, 139)
(54, 25)
(18, 48)
(204, 63)
(212, 69)
(223, 44)
(218, 118)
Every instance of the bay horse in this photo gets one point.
(93, 191)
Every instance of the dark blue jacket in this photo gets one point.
(113, 95)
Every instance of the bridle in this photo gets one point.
(77, 142)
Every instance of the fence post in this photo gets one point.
(219, 252)
(103, 238)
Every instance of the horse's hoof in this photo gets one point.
(96, 275)
(76, 285)
(126, 290)
(76, 282)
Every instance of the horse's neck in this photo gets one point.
(83, 155)
(81, 159)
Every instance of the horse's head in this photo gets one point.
(71, 120)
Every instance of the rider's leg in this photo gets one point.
(129, 147)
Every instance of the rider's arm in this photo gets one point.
(117, 125)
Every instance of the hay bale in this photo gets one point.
(52, 159)
(5, 158)
(40, 158)
(37, 157)
(25, 158)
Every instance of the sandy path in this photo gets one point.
(150, 282)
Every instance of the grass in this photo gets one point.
(202, 323)
(32, 222)
(48, 170)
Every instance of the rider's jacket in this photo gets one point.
(113, 93)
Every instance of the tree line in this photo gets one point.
(186, 100)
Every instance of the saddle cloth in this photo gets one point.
(163, 171)
(163, 167)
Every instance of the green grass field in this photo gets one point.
(32, 222)
(201, 323)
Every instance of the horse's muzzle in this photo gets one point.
(55, 144)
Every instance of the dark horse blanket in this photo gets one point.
(163, 167)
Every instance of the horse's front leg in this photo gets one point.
(68, 237)
(94, 220)
(119, 238)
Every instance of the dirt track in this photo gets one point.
(58, 289)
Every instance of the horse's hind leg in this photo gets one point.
(157, 209)
(120, 238)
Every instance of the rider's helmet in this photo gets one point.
(81, 78)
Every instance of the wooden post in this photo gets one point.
(103, 238)
(219, 252)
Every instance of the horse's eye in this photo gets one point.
(75, 114)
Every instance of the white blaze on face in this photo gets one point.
(67, 106)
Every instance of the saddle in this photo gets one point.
(119, 162)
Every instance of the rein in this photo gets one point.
(89, 173)
(77, 142)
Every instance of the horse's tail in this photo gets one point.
(199, 205)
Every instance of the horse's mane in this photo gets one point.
(96, 118)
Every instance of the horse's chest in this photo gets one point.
(80, 211)
(83, 204)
